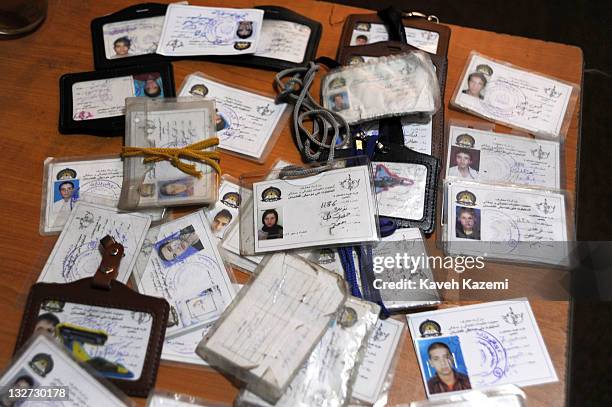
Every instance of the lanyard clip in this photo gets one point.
(431, 18)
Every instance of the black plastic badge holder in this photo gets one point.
(105, 126)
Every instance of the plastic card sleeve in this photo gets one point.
(66, 180)
(180, 262)
(160, 398)
(516, 97)
(167, 123)
(389, 86)
(476, 153)
(276, 320)
(508, 223)
(128, 36)
(52, 375)
(501, 396)
(230, 246)
(247, 122)
(376, 373)
(310, 206)
(328, 374)
(406, 186)
(94, 102)
(393, 282)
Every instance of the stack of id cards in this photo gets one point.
(480, 346)
(269, 331)
(177, 123)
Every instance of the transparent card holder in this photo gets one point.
(247, 121)
(299, 207)
(173, 124)
(399, 285)
(508, 223)
(389, 86)
(516, 97)
(376, 373)
(93, 179)
(179, 261)
(327, 376)
(475, 152)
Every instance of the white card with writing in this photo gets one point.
(506, 222)
(380, 352)
(44, 363)
(400, 189)
(270, 331)
(67, 182)
(480, 346)
(193, 30)
(333, 207)
(284, 40)
(117, 338)
(184, 267)
(76, 253)
(132, 37)
(369, 33)
(101, 98)
(327, 373)
(513, 96)
(493, 157)
(245, 121)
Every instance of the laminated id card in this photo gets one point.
(168, 124)
(364, 29)
(44, 373)
(193, 30)
(69, 180)
(480, 346)
(287, 40)
(247, 122)
(182, 264)
(307, 207)
(519, 224)
(128, 37)
(516, 97)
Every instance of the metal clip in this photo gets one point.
(411, 14)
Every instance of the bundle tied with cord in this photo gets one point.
(170, 156)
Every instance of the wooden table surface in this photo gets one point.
(30, 68)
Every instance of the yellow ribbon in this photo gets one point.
(193, 151)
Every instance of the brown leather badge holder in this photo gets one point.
(102, 291)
